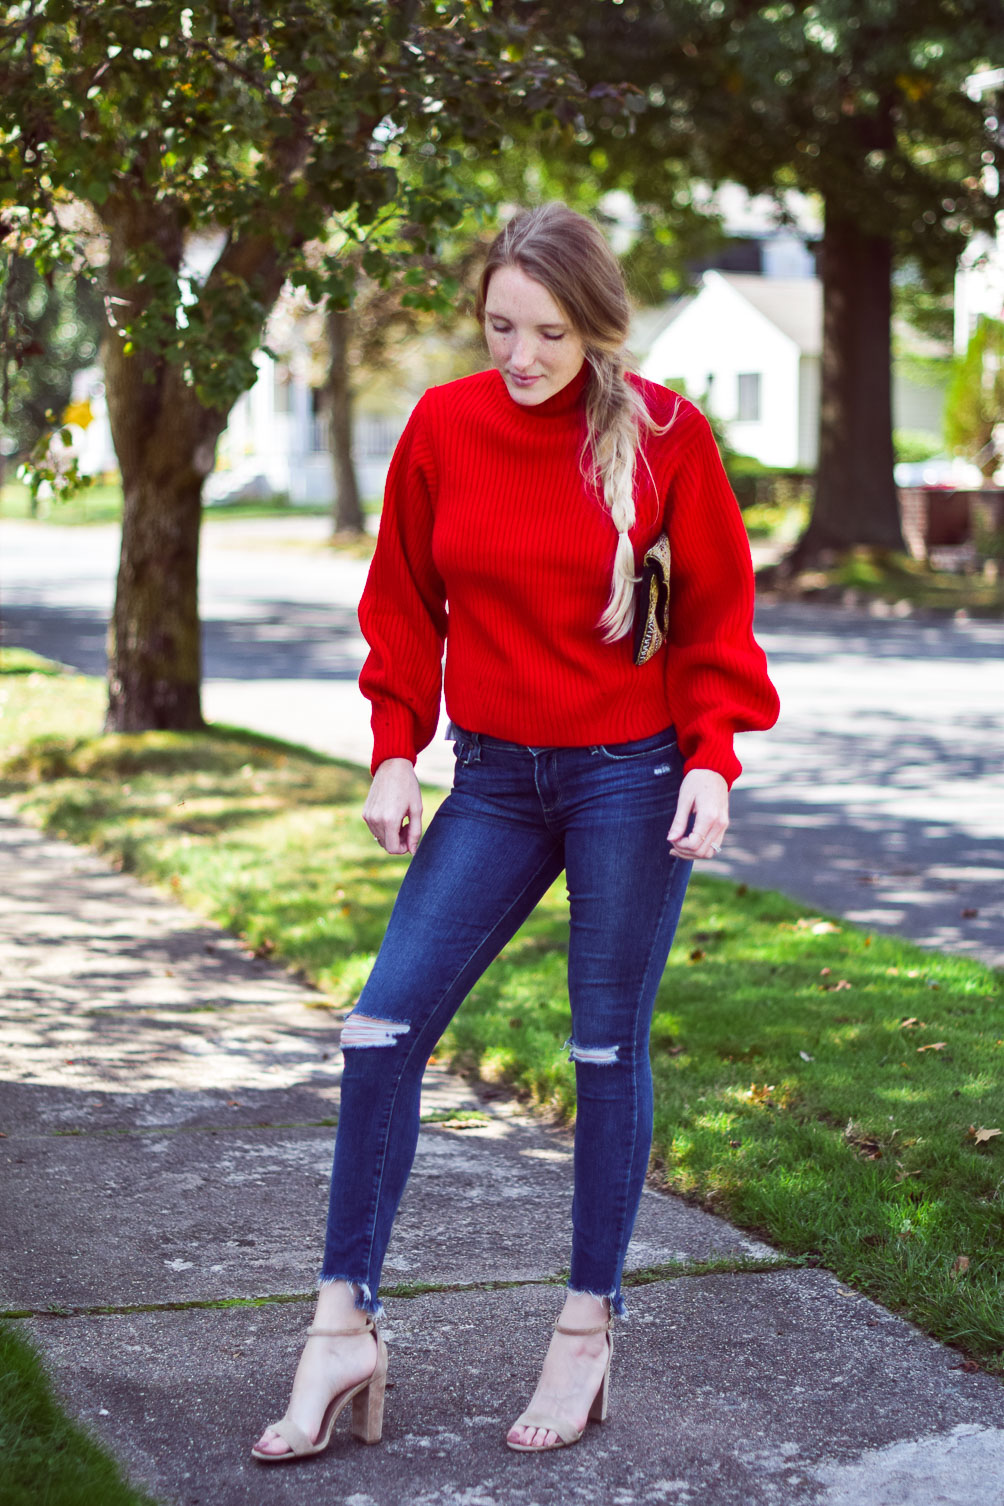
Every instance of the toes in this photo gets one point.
(271, 1443)
(533, 1437)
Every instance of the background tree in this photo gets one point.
(375, 334)
(213, 142)
(974, 406)
(860, 103)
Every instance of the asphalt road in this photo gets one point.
(879, 796)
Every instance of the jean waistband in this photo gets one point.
(483, 740)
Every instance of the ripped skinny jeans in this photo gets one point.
(515, 817)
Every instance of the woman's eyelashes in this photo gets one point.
(504, 329)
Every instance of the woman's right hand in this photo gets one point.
(393, 809)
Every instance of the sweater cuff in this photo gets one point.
(393, 734)
(718, 755)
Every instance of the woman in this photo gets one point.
(525, 497)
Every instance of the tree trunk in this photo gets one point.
(856, 502)
(348, 512)
(165, 440)
(154, 641)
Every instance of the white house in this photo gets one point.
(276, 442)
(748, 348)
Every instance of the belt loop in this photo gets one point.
(475, 754)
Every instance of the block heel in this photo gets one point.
(367, 1400)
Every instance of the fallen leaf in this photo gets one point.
(816, 926)
(676, 1050)
(759, 1092)
(982, 1136)
(969, 913)
(824, 972)
(969, 1366)
(867, 1147)
(960, 1264)
(934, 1046)
(806, 1057)
(911, 1023)
(835, 988)
(697, 955)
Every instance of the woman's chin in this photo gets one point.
(527, 394)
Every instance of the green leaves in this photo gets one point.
(232, 135)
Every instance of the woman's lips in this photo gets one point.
(523, 381)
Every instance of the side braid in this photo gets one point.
(616, 420)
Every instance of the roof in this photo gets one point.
(794, 305)
(648, 324)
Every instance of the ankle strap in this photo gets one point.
(583, 1332)
(342, 1333)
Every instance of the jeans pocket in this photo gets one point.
(641, 747)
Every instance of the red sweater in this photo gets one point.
(486, 509)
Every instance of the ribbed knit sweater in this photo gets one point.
(492, 542)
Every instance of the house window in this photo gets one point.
(748, 405)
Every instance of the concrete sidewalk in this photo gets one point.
(166, 1106)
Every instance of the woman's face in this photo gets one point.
(529, 338)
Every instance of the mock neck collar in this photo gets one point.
(561, 403)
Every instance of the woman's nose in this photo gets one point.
(523, 353)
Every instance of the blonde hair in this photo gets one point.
(568, 255)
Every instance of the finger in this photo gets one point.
(412, 833)
(680, 820)
(700, 844)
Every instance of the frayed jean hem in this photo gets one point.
(618, 1307)
(363, 1298)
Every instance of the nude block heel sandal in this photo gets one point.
(567, 1432)
(367, 1400)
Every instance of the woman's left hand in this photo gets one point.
(705, 795)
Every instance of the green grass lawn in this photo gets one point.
(829, 1090)
(45, 1459)
(102, 503)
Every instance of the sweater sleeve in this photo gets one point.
(402, 611)
(718, 683)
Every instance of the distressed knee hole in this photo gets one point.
(363, 1030)
(596, 1056)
